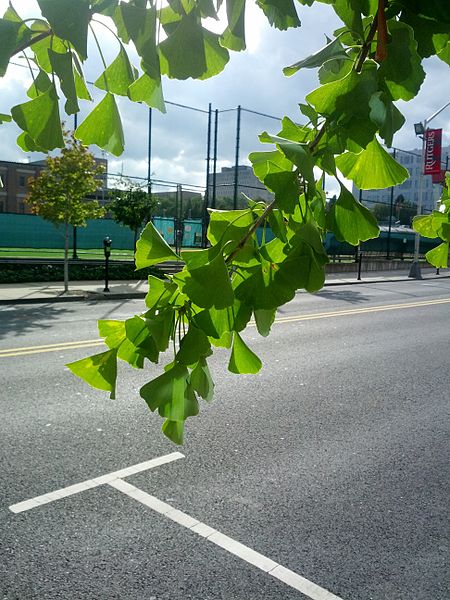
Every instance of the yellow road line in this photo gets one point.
(308, 317)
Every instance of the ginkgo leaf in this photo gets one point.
(372, 169)
(242, 359)
(63, 67)
(148, 90)
(99, 371)
(118, 77)
(69, 20)
(152, 248)
(39, 118)
(350, 221)
(103, 127)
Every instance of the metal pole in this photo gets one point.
(74, 252)
(149, 154)
(359, 265)
(236, 164)
(206, 199)
(216, 128)
(388, 249)
(414, 271)
(415, 267)
(176, 220)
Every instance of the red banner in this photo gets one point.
(433, 143)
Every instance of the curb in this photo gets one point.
(104, 297)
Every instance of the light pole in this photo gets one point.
(421, 129)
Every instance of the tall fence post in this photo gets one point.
(391, 210)
(214, 188)
(206, 200)
(149, 153)
(236, 164)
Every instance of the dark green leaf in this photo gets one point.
(41, 84)
(386, 116)
(280, 13)
(194, 345)
(69, 20)
(264, 320)
(62, 66)
(350, 221)
(9, 32)
(333, 49)
(401, 71)
(286, 187)
(201, 380)
(208, 284)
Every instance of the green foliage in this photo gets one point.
(131, 206)
(437, 225)
(59, 193)
(372, 61)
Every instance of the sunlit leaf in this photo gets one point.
(148, 90)
(39, 118)
(103, 127)
(438, 256)
(118, 76)
(99, 371)
(152, 248)
(372, 169)
(242, 359)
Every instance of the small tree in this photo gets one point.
(59, 192)
(131, 206)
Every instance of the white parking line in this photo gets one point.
(91, 483)
(290, 578)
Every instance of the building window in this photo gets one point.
(2, 206)
(21, 207)
(22, 181)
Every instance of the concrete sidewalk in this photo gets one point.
(43, 292)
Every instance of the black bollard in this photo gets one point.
(107, 250)
(359, 265)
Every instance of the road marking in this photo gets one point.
(308, 317)
(95, 482)
(269, 566)
(51, 348)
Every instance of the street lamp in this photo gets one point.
(421, 129)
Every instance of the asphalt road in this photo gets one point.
(332, 462)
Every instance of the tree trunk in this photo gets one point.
(136, 233)
(66, 260)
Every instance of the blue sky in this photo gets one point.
(252, 79)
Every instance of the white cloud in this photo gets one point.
(252, 79)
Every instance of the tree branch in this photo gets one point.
(269, 208)
(33, 40)
(366, 46)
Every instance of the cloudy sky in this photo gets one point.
(252, 79)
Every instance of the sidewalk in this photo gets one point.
(42, 292)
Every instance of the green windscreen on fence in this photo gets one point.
(31, 231)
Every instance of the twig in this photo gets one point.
(269, 208)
